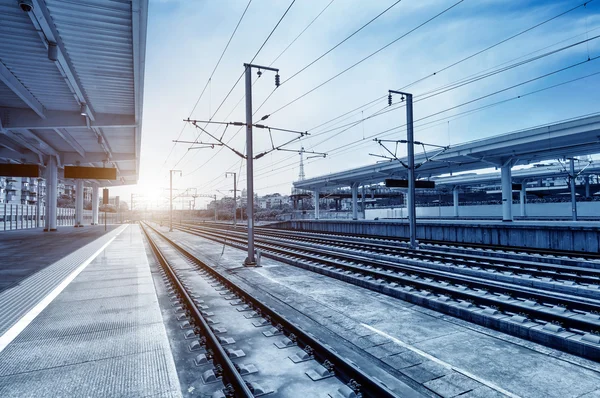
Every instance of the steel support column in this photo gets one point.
(51, 194)
(78, 203)
(38, 203)
(587, 186)
(505, 175)
(362, 202)
(573, 193)
(316, 199)
(455, 200)
(355, 201)
(523, 199)
(412, 204)
(95, 203)
(250, 261)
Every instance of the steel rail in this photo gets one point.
(514, 306)
(231, 376)
(483, 246)
(577, 274)
(344, 369)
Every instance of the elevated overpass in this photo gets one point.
(562, 140)
(71, 88)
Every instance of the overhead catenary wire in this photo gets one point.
(354, 65)
(242, 74)
(347, 147)
(440, 90)
(458, 84)
(479, 52)
(211, 75)
(366, 58)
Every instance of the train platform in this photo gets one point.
(580, 236)
(434, 353)
(79, 316)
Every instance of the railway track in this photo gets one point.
(227, 326)
(581, 275)
(559, 257)
(552, 312)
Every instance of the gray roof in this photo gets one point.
(566, 139)
(99, 62)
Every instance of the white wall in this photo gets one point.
(584, 209)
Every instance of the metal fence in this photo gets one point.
(15, 216)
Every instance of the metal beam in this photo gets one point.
(10, 144)
(42, 20)
(15, 118)
(23, 143)
(64, 134)
(22, 157)
(21, 91)
(28, 136)
(94, 157)
(139, 19)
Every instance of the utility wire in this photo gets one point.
(339, 44)
(499, 43)
(211, 76)
(365, 58)
(458, 84)
(301, 33)
(470, 79)
(460, 61)
(357, 143)
(242, 74)
(311, 63)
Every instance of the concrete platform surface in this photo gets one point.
(445, 355)
(102, 336)
(25, 252)
(35, 262)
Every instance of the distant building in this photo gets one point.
(21, 190)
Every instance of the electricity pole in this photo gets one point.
(573, 191)
(171, 198)
(412, 213)
(250, 261)
(234, 196)
(215, 207)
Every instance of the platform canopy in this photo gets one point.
(71, 83)
(521, 175)
(556, 141)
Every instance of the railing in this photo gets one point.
(17, 216)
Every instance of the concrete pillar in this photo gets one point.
(79, 203)
(523, 199)
(38, 203)
(355, 201)
(362, 205)
(316, 198)
(573, 192)
(455, 200)
(505, 175)
(587, 186)
(51, 194)
(95, 204)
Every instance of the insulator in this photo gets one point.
(390, 99)
(259, 73)
(402, 99)
(277, 80)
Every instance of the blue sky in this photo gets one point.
(185, 39)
